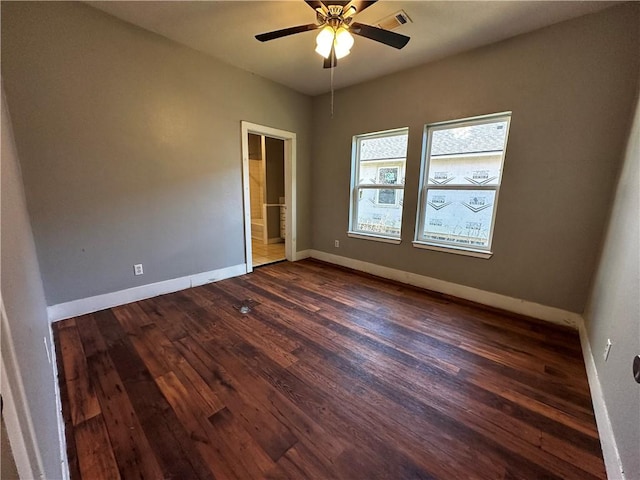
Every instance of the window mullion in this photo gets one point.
(378, 186)
(461, 187)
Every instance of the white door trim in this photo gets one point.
(289, 186)
(13, 399)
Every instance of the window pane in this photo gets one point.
(383, 147)
(382, 172)
(467, 155)
(382, 159)
(465, 170)
(379, 211)
(388, 175)
(459, 217)
(386, 197)
(484, 137)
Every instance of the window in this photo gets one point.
(377, 185)
(462, 170)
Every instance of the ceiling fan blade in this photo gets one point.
(360, 5)
(315, 4)
(387, 37)
(331, 61)
(264, 37)
(336, 2)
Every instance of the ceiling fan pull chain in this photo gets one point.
(332, 69)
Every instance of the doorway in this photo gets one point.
(268, 173)
(267, 199)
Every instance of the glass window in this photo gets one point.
(377, 184)
(462, 169)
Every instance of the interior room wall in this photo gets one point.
(25, 326)
(274, 149)
(131, 150)
(570, 87)
(256, 172)
(613, 310)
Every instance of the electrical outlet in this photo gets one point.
(607, 349)
(336, 243)
(137, 269)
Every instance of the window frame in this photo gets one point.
(356, 187)
(424, 187)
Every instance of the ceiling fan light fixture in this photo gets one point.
(335, 21)
(340, 39)
(343, 42)
(324, 41)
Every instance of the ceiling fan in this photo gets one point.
(335, 21)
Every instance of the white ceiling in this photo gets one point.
(225, 30)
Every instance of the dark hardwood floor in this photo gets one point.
(331, 375)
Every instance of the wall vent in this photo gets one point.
(394, 20)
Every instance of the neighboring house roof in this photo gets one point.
(488, 137)
(384, 147)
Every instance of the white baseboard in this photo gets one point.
(515, 305)
(301, 255)
(612, 461)
(83, 306)
(64, 461)
(215, 275)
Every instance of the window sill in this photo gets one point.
(454, 250)
(375, 238)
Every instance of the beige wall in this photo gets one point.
(614, 308)
(130, 146)
(25, 327)
(569, 87)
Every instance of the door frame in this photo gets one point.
(17, 416)
(289, 187)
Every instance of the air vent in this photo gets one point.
(246, 306)
(394, 20)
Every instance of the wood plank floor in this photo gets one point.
(331, 375)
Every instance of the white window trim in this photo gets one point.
(479, 252)
(355, 187)
(373, 236)
(453, 249)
